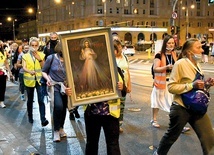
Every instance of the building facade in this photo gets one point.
(183, 21)
(27, 30)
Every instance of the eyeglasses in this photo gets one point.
(34, 45)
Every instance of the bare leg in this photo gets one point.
(154, 118)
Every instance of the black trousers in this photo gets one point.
(93, 124)
(3, 80)
(202, 126)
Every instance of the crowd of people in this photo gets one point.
(45, 71)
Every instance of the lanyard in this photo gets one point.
(198, 68)
(167, 58)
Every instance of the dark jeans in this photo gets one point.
(21, 83)
(179, 116)
(3, 79)
(93, 124)
(30, 96)
(59, 112)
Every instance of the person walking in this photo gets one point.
(162, 66)
(32, 66)
(55, 74)
(122, 62)
(21, 72)
(160, 96)
(103, 115)
(4, 70)
(182, 79)
(48, 50)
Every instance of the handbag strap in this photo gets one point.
(198, 68)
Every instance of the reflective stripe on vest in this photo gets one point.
(160, 78)
(114, 108)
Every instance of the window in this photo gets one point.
(118, 10)
(144, 12)
(152, 12)
(99, 11)
(198, 13)
(152, 4)
(164, 24)
(126, 3)
(110, 10)
(199, 24)
(126, 11)
(198, 6)
(153, 23)
(144, 1)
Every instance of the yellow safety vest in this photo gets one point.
(3, 57)
(114, 105)
(33, 65)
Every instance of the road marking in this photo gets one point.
(140, 61)
(209, 71)
(133, 61)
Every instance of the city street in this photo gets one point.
(18, 137)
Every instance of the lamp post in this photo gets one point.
(13, 20)
(104, 2)
(186, 8)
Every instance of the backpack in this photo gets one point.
(152, 71)
(123, 92)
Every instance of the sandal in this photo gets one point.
(155, 124)
(185, 129)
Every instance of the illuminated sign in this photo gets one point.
(210, 2)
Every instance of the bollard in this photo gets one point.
(149, 53)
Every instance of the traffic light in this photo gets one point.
(172, 29)
(177, 29)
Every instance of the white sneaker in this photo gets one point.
(2, 105)
(62, 133)
(56, 136)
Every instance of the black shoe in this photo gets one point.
(30, 120)
(77, 115)
(72, 116)
(45, 123)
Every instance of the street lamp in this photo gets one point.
(187, 17)
(13, 20)
(104, 2)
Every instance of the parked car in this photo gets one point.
(129, 50)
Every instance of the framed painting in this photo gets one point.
(90, 66)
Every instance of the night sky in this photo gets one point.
(16, 9)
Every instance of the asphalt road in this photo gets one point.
(18, 137)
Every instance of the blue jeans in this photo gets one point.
(122, 108)
(93, 124)
(59, 111)
(21, 83)
(179, 116)
(30, 96)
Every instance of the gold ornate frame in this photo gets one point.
(91, 70)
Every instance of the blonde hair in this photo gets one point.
(33, 39)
